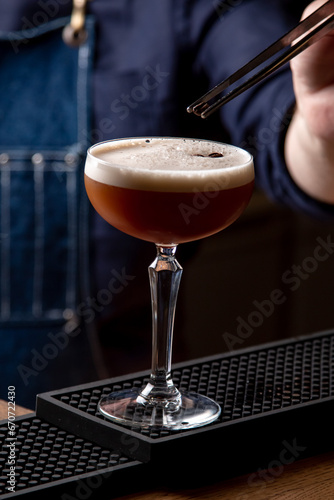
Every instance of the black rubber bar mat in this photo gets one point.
(51, 461)
(277, 406)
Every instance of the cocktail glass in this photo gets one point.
(166, 191)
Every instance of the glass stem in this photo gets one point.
(165, 275)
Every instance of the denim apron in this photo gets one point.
(44, 134)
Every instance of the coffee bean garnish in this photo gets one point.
(211, 155)
(215, 155)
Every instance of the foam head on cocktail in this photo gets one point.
(167, 191)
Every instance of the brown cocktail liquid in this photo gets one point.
(167, 217)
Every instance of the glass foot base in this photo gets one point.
(129, 408)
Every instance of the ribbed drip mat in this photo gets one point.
(49, 457)
(282, 384)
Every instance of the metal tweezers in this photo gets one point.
(307, 32)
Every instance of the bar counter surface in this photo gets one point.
(307, 479)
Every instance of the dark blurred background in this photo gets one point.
(267, 277)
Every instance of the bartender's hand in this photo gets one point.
(309, 146)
